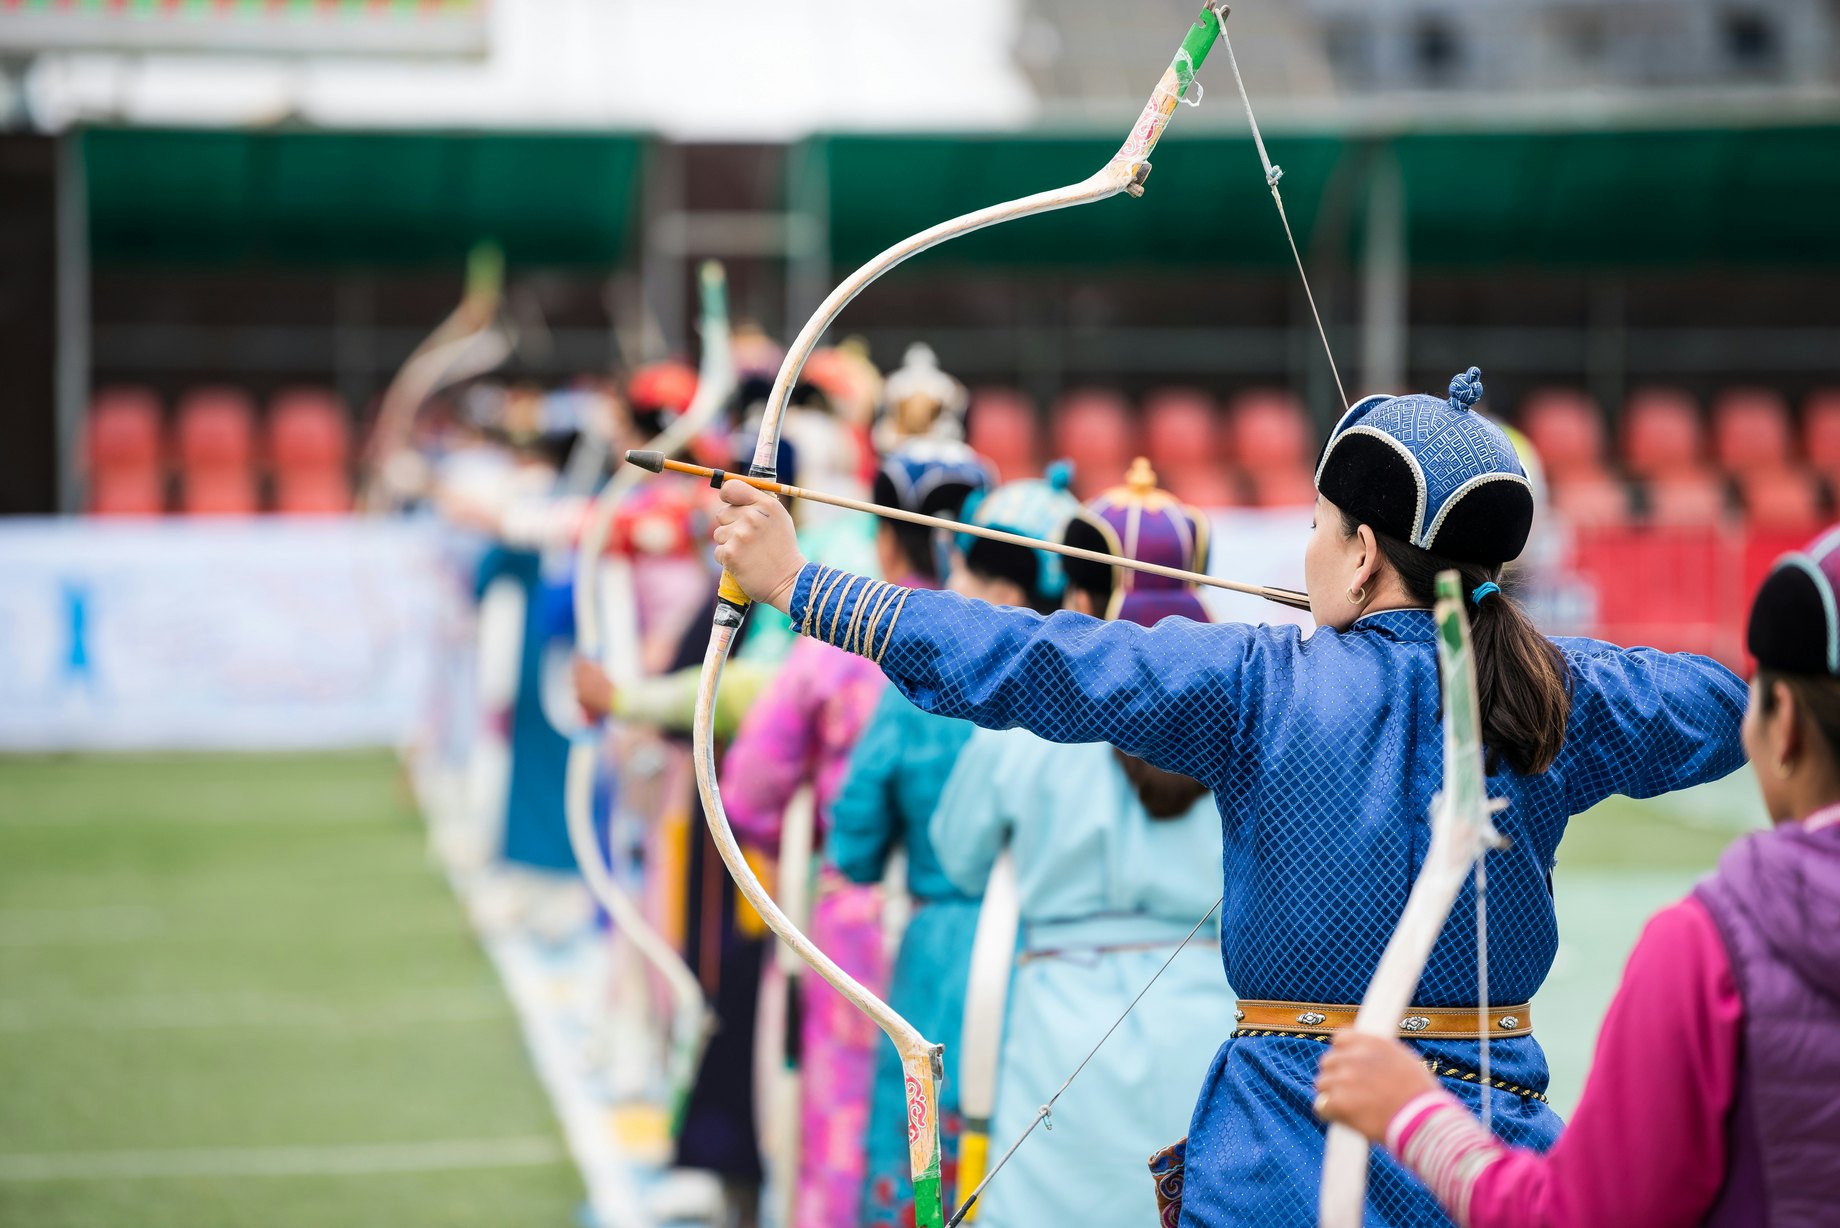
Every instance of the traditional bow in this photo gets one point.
(1125, 172)
(469, 342)
(692, 1020)
(1462, 832)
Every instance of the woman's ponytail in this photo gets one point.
(1522, 684)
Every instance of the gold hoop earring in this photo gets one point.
(1358, 594)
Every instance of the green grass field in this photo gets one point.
(234, 991)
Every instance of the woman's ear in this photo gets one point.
(1367, 558)
(1787, 718)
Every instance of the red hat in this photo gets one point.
(667, 385)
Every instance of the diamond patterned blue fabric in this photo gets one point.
(1323, 755)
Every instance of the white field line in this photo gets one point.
(611, 1176)
(154, 1012)
(34, 927)
(115, 927)
(612, 1191)
(375, 1158)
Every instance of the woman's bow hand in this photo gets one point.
(755, 541)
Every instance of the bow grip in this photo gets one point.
(729, 593)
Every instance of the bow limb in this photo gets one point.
(993, 958)
(921, 1059)
(463, 345)
(715, 381)
(1125, 172)
(692, 1020)
(1462, 832)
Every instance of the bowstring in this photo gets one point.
(1482, 981)
(1273, 173)
(1046, 1112)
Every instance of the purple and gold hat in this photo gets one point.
(1141, 521)
(1794, 624)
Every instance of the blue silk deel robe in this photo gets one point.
(1323, 754)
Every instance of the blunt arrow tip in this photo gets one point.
(651, 462)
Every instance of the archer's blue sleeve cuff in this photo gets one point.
(849, 611)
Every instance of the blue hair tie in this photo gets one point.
(1483, 590)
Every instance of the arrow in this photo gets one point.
(657, 462)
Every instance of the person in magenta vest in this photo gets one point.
(1714, 1097)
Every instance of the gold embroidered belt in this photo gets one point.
(1419, 1023)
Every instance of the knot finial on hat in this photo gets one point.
(1141, 478)
(1466, 389)
(1059, 475)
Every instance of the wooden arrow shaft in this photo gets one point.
(1282, 596)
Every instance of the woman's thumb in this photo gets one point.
(738, 493)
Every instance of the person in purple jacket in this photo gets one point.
(1714, 1097)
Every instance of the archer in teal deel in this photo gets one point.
(1323, 752)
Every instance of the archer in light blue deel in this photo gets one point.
(1323, 752)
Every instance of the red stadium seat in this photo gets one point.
(1662, 433)
(218, 492)
(124, 429)
(1093, 428)
(1267, 428)
(1181, 427)
(324, 493)
(1692, 496)
(216, 428)
(1281, 487)
(1590, 496)
(127, 492)
(1003, 427)
(126, 452)
(1781, 498)
(1750, 430)
(1206, 485)
(1821, 429)
(1566, 427)
(308, 429)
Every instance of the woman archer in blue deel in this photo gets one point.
(1323, 753)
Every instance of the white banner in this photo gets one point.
(1257, 546)
(236, 634)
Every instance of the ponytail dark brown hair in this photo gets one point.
(1165, 795)
(1522, 683)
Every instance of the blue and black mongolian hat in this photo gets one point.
(932, 476)
(1795, 626)
(1433, 474)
